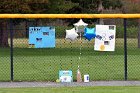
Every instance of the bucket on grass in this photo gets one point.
(86, 78)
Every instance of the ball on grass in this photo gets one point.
(57, 80)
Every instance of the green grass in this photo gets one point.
(118, 89)
(43, 64)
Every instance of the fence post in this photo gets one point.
(11, 50)
(139, 33)
(125, 49)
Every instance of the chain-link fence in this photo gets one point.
(44, 64)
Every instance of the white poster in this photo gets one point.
(105, 38)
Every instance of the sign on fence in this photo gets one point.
(105, 38)
(42, 37)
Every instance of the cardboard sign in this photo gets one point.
(105, 38)
(42, 37)
(65, 76)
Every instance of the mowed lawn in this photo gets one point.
(32, 64)
(128, 89)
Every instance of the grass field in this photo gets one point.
(43, 64)
(134, 89)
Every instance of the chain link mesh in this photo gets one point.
(43, 64)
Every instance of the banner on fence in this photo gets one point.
(105, 38)
(42, 37)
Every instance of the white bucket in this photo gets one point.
(86, 78)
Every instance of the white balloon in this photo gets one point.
(80, 25)
(71, 34)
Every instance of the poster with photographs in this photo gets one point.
(105, 38)
(41, 37)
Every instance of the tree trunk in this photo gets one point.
(3, 34)
(0, 35)
(100, 9)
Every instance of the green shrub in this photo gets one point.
(132, 32)
(61, 31)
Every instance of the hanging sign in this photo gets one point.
(42, 37)
(105, 38)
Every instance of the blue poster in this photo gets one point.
(42, 37)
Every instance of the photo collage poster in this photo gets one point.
(42, 37)
(105, 38)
